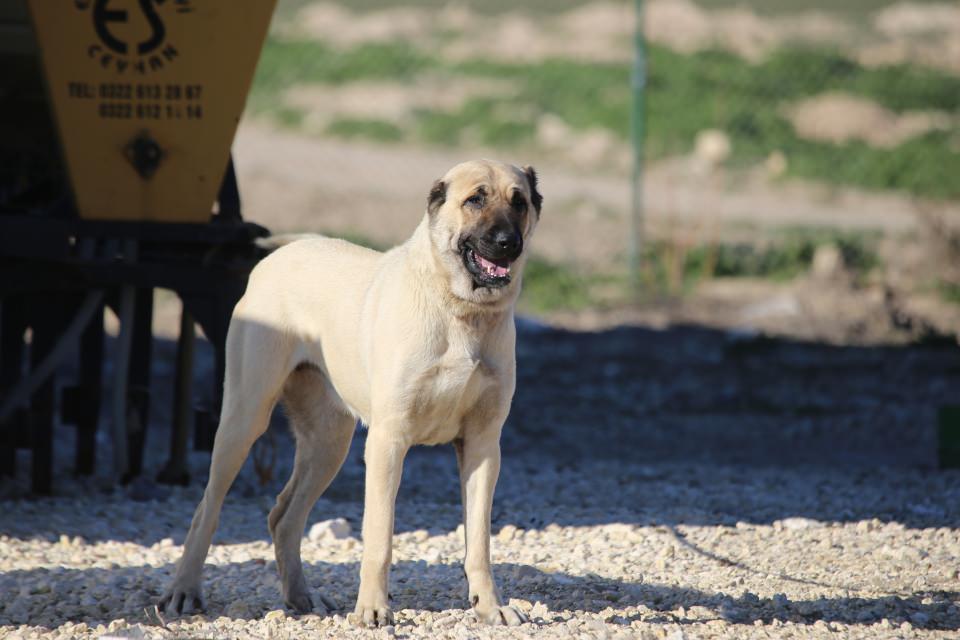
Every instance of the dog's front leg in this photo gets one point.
(479, 458)
(383, 455)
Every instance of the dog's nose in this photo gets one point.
(508, 241)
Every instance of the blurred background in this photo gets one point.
(796, 160)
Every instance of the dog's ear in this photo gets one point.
(438, 195)
(535, 196)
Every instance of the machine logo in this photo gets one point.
(132, 34)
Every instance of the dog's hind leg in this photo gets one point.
(258, 362)
(323, 431)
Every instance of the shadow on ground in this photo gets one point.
(686, 425)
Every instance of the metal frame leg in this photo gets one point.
(86, 395)
(138, 389)
(46, 326)
(176, 471)
(11, 367)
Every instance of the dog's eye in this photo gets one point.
(518, 202)
(475, 201)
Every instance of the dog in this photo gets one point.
(418, 343)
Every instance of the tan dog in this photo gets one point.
(417, 342)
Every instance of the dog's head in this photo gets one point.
(482, 215)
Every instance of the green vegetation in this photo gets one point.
(949, 292)
(289, 8)
(851, 8)
(548, 286)
(781, 259)
(285, 63)
(718, 90)
(671, 269)
(685, 94)
(289, 116)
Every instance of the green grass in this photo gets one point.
(718, 90)
(788, 253)
(685, 95)
(549, 286)
(671, 270)
(285, 63)
(289, 116)
(287, 9)
(949, 291)
(850, 8)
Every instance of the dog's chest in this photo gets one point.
(446, 391)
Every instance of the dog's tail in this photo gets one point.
(272, 243)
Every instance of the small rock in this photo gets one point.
(711, 148)
(539, 610)
(444, 621)
(776, 164)
(919, 618)
(731, 613)
(798, 524)
(507, 533)
(276, 614)
(676, 634)
(827, 262)
(336, 529)
(524, 572)
(421, 535)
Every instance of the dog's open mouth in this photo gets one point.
(486, 272)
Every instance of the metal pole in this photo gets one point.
(638, 84)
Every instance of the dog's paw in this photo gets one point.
(505, 615)
(179, 600)
(372, 616)
(299, 603)
(302, 603)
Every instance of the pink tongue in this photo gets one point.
(491, 268)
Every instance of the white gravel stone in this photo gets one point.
(336, 529)
(798, 524)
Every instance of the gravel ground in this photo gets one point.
(682, 483)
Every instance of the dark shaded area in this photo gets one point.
(694, 394)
